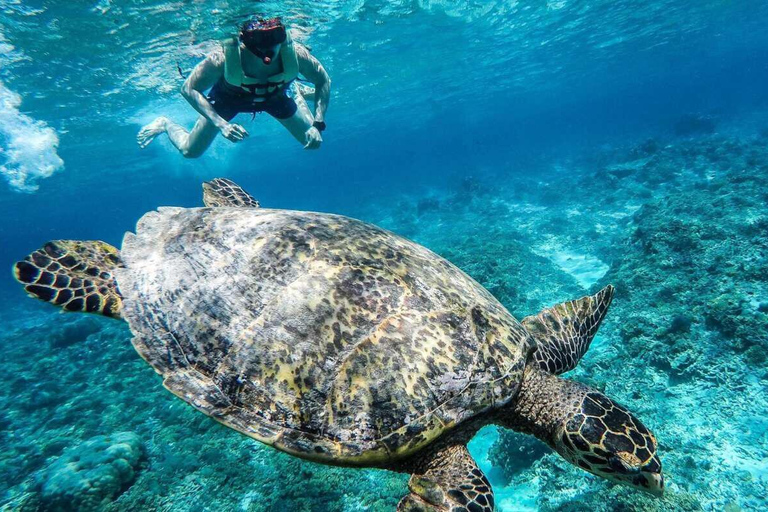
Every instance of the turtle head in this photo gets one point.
(587, 429)
(605, 439)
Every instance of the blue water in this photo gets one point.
(509, 136)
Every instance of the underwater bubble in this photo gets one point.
(28, 148)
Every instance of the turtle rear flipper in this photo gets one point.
(445, 479)
(563, 332)
(224, 192)
(74, 275)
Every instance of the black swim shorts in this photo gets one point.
(228, 103)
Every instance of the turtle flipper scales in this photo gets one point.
(74, 275)
(447, 479)
(563, 332)
(224, 192)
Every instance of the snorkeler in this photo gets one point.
(250, 73)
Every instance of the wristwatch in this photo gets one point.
(320, 125)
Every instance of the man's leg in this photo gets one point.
(190, 144)
(300, 121)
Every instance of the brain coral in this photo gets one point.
(90, 475)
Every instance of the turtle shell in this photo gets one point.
(324, 336)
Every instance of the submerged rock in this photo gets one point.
(695, 124)
(75, 332)
(680, 324)
(429, 204)
(91, 475)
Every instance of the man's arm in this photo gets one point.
(313, 71)
(202, 78)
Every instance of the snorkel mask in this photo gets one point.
(263, 37)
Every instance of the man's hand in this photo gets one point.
(233, 132)
(314, 139)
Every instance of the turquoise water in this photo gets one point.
(546, 147)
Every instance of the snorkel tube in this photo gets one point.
(263, 37)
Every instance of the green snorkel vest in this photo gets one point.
(235, 77)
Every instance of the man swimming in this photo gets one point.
(250, 73)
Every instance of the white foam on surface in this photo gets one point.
(28, 147)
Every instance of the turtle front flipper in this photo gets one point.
(447, 480)
(74, 275)
(224, 192)
(563, 332)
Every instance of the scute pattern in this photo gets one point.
(75, 275)
(327, 337)
(606, 427)
(224, 192)
(451, 482)
(564, 332)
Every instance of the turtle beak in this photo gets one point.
(653, 483)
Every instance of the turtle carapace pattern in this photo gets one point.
(337, 341)
(331, 337)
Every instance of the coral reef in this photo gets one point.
(89, 476)
(686, 342)
(680, 227)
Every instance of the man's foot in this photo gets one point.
(148, 133)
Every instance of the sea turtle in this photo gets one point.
(339, 342)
